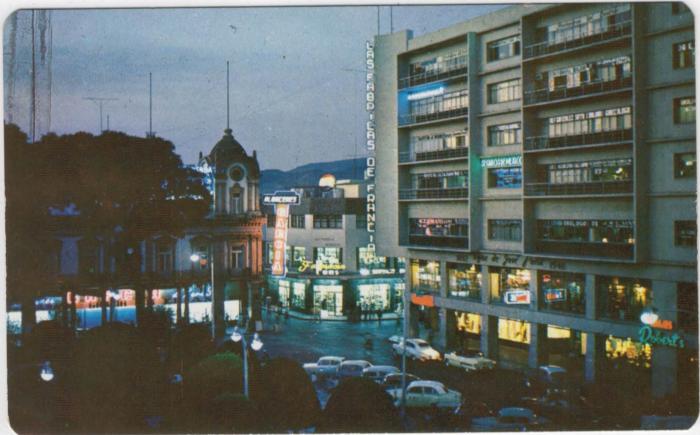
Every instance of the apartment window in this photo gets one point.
(440, 103)
(447, 232)
(586, 172)
(438, 142)
(235, 258)
(688, 306)
(504, 91)
(679, 8)
(509, 178)
(271, 218)
(297, 221)
(505, 229)
(440, 180)
(503, 48)
(164, 258)
(684, 165)
(684, 110)
(328, 255)
(619, 118)
(504, 134)
(684, 55)
(328, 221)
(604, 70)
(367, 259)
(686, 233)
(580, 27)
(361, 221)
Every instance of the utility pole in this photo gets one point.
(150, 105)
(32, 119)
(100, 101)
(107, 122)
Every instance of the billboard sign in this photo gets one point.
(281, 197)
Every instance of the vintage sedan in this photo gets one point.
(428, 394)
(469, 360)
(416, 348)
(326, 366)
(510, 420)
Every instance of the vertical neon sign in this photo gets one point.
(279, 241)
(371, 146)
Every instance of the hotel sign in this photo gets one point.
(282, 201)
(501, 162)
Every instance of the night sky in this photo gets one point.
(291, 95)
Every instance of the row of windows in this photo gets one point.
(684, 55)
(505, 229)
(580, 27)
(440, 103)
(504, 134)
(584, 172)
(438, 142)
(503, 92)
(439, 227)
(448, 62)
(590, 122)
(574, 76)
(503, 48)
(602, 231)
(440, 180)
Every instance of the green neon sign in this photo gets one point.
(501, 161)
(649, 335)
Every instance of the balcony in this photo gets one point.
(423, 156)
(540, 143)
(582, 40)
(585, 249)
(539, 96)
(435, 193)
(420, 118)
(590, 188)
(439, 241)
(444, 70)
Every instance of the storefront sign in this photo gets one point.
(281, 197)
(648, 335)
(426, 94)
(371, 209)
(512, 297)
(554, 295)
(321, 268)
(279, 240)
(424, 300)
(502, 162)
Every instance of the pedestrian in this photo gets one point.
(379, 317)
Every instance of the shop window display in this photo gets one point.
(283, 290)
(468, 322)
(425, 276)
(464, 281)
(374, 296)
(506, 279)
(514, 330)
(328, 298)
(624, 298)
(563, 292)
(298, 295)
(633, 352)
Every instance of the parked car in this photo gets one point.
(393, 380)
(395, 339)
(509, 420)
(417, 348)
(547, 377)
(469, 360)
(325, 366)
(428, 394)
(352, 368)
(378, 373)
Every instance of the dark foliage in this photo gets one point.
(285, 396)
(191, 344)
(360, 405)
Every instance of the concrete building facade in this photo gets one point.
(536, 167)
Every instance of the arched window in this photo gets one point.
(236, 200)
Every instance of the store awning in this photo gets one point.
(424, 300)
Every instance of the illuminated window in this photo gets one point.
(505, 279)
(425, 276)
(329, 298)
(684, 165)
(623, 298)
(503, 48)
(328, 255)
(684, 55)
(464, 281)
(298, 295)
(598, 121)
(563, 291)
(684, 110)
(631, 351)
(468, 322)
(686, 233)
(509, 178)
(514, 330)
(586, 172)
(504, 134)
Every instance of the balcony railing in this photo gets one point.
(548, 47)
(590, 188)
(443, 70)
(415, 118)
(598, 87)
(420, 156)
(435, 193)
(439, 241)
(584, 139)
(586, 249)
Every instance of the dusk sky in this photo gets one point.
(292, 99)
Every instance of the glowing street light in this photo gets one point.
(46, 372)
(256, 345)
(194, 258)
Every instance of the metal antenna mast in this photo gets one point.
(150, 105)
(100, 101)
(391, 19)
(32, 107)
(228, 92)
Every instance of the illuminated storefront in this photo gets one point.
(284, 292)
(328, 297)
(464, 281)
(633, 352)
(375, 296)
(563, 292)
(504, 280)
(516, 331)
(623, 298)
(298, 295)
(425, 276)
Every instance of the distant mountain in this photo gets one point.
(309, 174)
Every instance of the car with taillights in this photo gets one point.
(469, 360)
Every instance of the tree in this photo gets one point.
(360, 405)
(285, 396)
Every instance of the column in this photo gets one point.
(664, 359)
(595, 356)
(219, 282)
(410, 317)
(441, 338)
(103, 305)
(138, 300)
(64, 308)
(485, 285)
(489, 336)
(178, 307)
(73, 312)
(149, 300)
(187, 304)
(451, 330)
(591, 297)
(537, 354)
(534, 287)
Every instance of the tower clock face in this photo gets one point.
(236, 173)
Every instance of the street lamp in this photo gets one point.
(256, 345)
(649, 316)
(46, 372)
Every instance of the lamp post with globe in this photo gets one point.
(256, 345)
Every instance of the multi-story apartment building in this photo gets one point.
(331, 267)
(536, 167)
